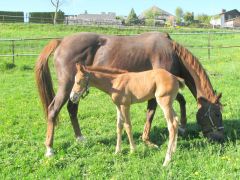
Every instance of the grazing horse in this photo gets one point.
(132, 53)
(129, 88)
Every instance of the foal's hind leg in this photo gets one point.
(72, 110)
(125, 111)
(119, 130)
(183, 120)
(53, 110)
(151, 108)
(172, 123)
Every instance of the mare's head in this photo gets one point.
(209, 117)
(81, 84)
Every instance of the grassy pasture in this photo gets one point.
(22, 123)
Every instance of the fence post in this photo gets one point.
(209, 45)
(13, 53)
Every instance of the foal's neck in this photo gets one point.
(102, 81)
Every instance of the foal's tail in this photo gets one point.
(43, 76)
(181, 82)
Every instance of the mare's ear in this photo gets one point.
(80, 67)
(218, 98)
(201, 101)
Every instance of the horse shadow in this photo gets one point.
(193, 137)
(159, 135)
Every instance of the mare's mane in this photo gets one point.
(194, 64)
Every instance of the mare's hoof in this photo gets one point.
(49, 153)
(182, 131)
(80, 139)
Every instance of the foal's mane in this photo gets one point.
(107, 70)
(191, 62)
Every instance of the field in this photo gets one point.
(23, 126)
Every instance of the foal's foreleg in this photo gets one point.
(125, 110)
(119, 130)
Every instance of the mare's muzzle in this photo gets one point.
(75, 97)
(211, 127)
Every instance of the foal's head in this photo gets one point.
(209, 117)
(81, 84)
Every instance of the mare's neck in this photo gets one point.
(101, 81)
(199, 84)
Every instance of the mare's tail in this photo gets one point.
(43, 76)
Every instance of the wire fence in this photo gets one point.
(31, 47)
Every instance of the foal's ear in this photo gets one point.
(80, 67)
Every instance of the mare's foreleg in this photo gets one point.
(53, 111)
(183, 121)
(125, 111)
(151, 108)
(72, 110)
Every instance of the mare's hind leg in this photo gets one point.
(183, 120)
(151, 108)
(72, 110)
(53, 110)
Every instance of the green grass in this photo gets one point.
(23, 126)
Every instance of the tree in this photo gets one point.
(204, 18)
(188, 18)
(151, 15)
(132, 18)
(56, 4)
(179, 14)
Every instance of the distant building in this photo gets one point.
(90, 19)
(161, 18)
(226, 19)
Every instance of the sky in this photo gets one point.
(121, 7)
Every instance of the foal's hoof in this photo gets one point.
(49, 153)
(150, 144)
(132, 150)
(80, 139)
(118, 151)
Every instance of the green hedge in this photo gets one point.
(45, 17)
(10, 16)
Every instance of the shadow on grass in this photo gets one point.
(7, 66)
(159, 135)
(192, 138)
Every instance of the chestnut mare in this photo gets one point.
(133, 53)
(129, 88)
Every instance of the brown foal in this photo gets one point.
(129, 88)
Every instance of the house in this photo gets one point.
(160, 16)
(226, 19)
(93, 19)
